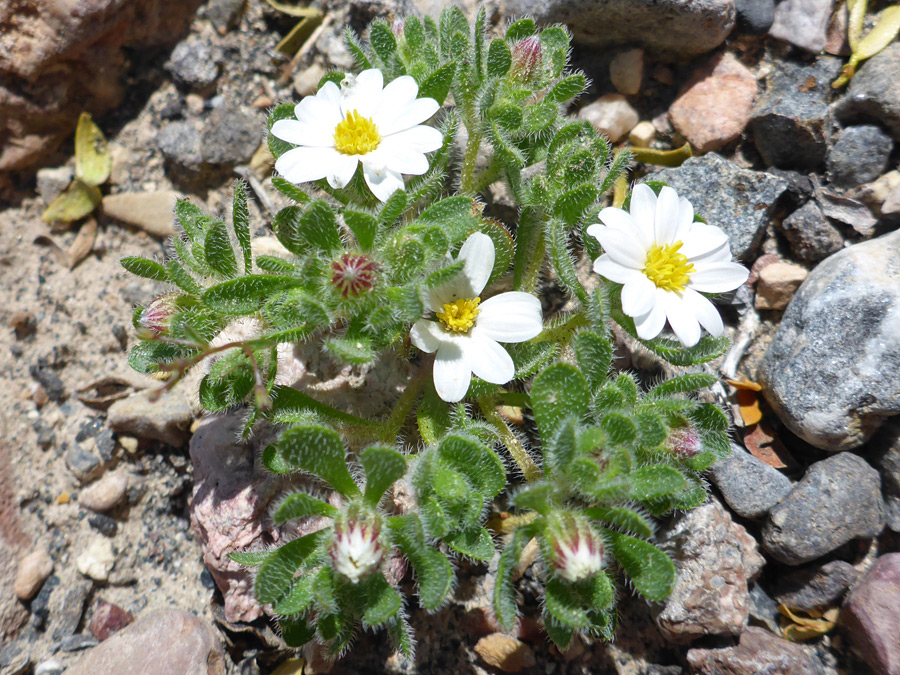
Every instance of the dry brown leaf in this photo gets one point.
(762, 443)
(102, 393)
(61, 256)
(84, 242)
(808, 627)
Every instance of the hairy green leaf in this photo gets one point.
(315, 449)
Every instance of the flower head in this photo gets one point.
(467, 329)
(684, 442)
(577, 551)
(527, 59)
(356, 549)
(361, 122)
(352, 275)
(156, 317)
(665, 261)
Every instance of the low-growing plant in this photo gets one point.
(376, 263)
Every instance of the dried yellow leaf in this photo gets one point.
(806, 628)
(300, 33)
(76, 202)
(855, 21)
(881, 35)
(663, 157)
(294, 10)
(92, 157)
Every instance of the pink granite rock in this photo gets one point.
(871, 615)
(758, 652)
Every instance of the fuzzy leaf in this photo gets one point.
(475, 543)
(558, 392)
(278, 147)
(618, 428)
(142, 267)
(383, 466)
(562, 260)
(146, 357)
(478, 463)
(571, 205)
(382, 40)
(435, 575)
(499, 58)
(623, 518)
(290, 190)
(414, 34)
(364, 226)
(432, 416)
(356, 49)
(594, 355)
(709, 417)
(243, 295)
(318, 227)
(559, 634)
(535, 497)
(505, 608)
(240, 218)
(682, 384)
(181, 278)
(301, 505)
(520, 29)
(564, 605)
(295, 631)
(219, 254)
(273, 582)
(539, 117)
(437, 84)
(315, 449)
(357, 350)
(93, 160)
(79, 200)
(228, 382)
(567, 88)
(651, 571)
(299, 597)
(382, 601)
(530, 357)
(249, 558)
(653, 482)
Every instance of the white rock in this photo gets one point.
(642, 135)
(626, 70)
(97, 559)
(106, 493)
(33, 570)
(612, 115)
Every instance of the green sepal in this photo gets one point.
(382, 601)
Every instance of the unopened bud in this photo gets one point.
(577, 550)
(527, 58)
(352, 274)
(684, 442)
(157, 316)
(356, 550)
(397, 28)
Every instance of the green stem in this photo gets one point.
(406, 401)
(488, 176)
(564, 331)
(467, 183)
(513, 445)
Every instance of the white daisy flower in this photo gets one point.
(362, 121)
(467, 330)
(665, 261)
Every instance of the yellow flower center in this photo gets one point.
(667, 268)
(356, 135)
(459, 316)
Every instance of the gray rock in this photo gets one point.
(83, 463)
(874, 93)
(194, 63)
(817, 586)
(52, 181)
(230, 135)
(66, 606)
(790, 121)
(15, 657)
(738, 200)
(682, 26)
(166, 419)
(191, 647)
(872, 615)
(224, 14)
(811, 236)
(715, 558)
(838, 500)
(750, 487)
(885, 457)
(759, 651)
(832, 371)
(859, 155)
(755, 17)
(763, 608)
(802, 23)
(180, 143)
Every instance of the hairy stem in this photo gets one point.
(513, 444)
(467, 182)
(563, 332)
(406, 401)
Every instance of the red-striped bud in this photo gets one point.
(356, 549)
(576, 549)
(353, 274)
(527, 59)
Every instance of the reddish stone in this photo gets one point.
(872, 615)
(107, 619)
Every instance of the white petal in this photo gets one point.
(396, 96)
(489, 361)
(400, 158)
(638, 296)
(643, 206)
(622, 248)
(718, 277)
(381, 181)
(702, 239)
(342, 170)
(705, 311)
(685, 219)
(510, 317)
(682, 320)
(667, 214)
(609, 268)
(321, 109)
(330, 93)
(302, 133)
(421, 138)
(364, 95)
(452, 372)
(302, 164)
(427, 335)
(650, 325)
(620, 219)
(718, 255)
(478, 252)
(407, 117)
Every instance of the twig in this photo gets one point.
(746, 331)
(304, 50)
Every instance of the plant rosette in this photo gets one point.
(467, 331)
(360, 122)
(665, 261)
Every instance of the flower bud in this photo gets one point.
(576, 549)
(356, 550)
(157, 316)
(397, 28)
(684, 442)
(352, 274)
(527, 58)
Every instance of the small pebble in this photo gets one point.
(860, 155)
(106, 493)
(34, 569)
(84, 464)
(97, 559)
(642, 135)
(626, 70)
(777, 284)
(306, 82)
(107, 619)
(612, 115)
(128, 443)
(104, 524)
(149, 211)
(505, 652)
(49, 667)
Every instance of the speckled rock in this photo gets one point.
(757, 652)
(832, 371)
(97, 558)
(230, 135)
(750, 487)
(859, 155)
(874, 92)
(871, 615)
(811, 235)
(790, 121)
(802, 23)
(777, 284)
(714, 106)
(838, 499)
(715, 558)
(738, 200)
(682, 26)
(755, 17)
(885, 456)
(817, 586)
(194, 62)
(191, 648)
